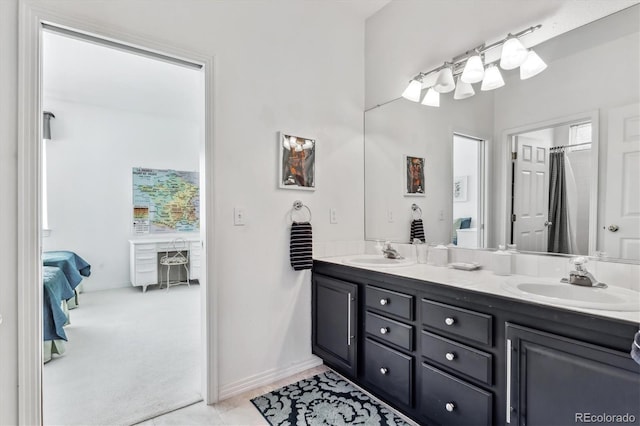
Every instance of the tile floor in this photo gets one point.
(235, 411)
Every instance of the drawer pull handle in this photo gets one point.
(384, 330)
(449, 321)
(450, 406)
(450, 356)
(384, 371)
(384, 302)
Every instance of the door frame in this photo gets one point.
(29, 351)
(507, 172)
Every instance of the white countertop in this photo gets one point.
(482, 281)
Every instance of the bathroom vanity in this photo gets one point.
(455, 352)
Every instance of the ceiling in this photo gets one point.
(85, 72)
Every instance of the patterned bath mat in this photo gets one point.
(325, 399)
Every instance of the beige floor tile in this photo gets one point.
(243, 415)
(197, 414)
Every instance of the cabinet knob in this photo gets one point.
(383, 371)
(450, 356)
(384, 302)
(450, 406)
(449, 321)
(384, 330)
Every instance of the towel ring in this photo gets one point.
(297, 206)
(416, 210)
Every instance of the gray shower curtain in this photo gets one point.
(558, 231)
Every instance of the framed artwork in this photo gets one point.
(297, 162)
(414, 176)
(460, 188)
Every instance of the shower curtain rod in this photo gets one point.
(570, 146)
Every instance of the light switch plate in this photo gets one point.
(238, 216)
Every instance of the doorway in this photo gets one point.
(468, 191)
(29, 224)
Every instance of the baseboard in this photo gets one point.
(265, 378)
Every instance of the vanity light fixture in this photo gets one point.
(533, 65)
(469, 68)
(413, 90)
(492, 78)
(513, 53)
(432, 98)
(473, 70)
(464, 90)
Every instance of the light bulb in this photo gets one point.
(533, 65)
(445, 82)
(463, 90)
(473, 70)
(492, 78)
(413, 91)
(513, 54)
(432, 98)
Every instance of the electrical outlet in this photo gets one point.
(238, 216)
(390, 216)
(333, 216)
(441, 215)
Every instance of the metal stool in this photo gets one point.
(179, 257)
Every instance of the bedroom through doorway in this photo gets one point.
(122, 248)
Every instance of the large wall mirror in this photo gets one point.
(551, 163)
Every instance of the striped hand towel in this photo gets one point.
(301, 246)
(417, 230)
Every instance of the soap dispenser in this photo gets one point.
(501, 261)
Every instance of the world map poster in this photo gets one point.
(165, 201)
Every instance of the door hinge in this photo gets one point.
(514, 155)
(513, 218)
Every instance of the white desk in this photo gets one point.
(143, 258)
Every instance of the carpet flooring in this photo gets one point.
(325, 399)
(130, 356)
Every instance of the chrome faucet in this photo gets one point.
(389, 252)
(580, 276)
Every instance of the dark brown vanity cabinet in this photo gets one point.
(335, 323)
(451, 367)
(554, 380)
(452, 356)
(389, 359)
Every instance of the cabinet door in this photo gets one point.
(334, 311)
(553, 380)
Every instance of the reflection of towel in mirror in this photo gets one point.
(417, 230)
(301, 246)
(635, 348)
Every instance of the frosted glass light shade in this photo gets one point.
(533, 65)
(432, 98)
(413, 91)
(445, 82)
(473, 70)
(492, 78)
(513, 54)
(463, 90)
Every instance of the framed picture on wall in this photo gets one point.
(414, 185)
(460, 188)
(297, 162)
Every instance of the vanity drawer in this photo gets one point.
(390, 331)
(451, 401)
(391, 302)
(468, 361)
(390, 371)
(457, 321)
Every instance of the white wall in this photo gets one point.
(89, 164)
(280, 65)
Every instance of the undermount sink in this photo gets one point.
(378, 261)
(610, 298)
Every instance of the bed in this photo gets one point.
(62, 273)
